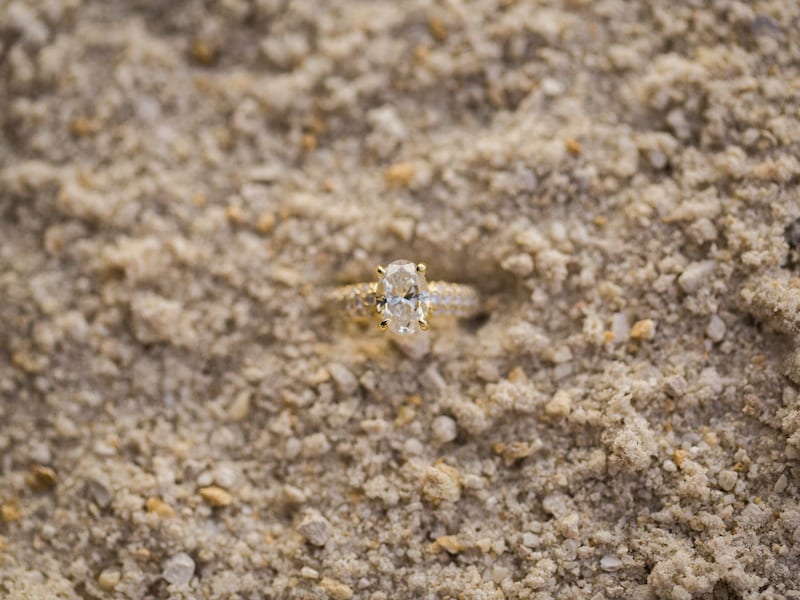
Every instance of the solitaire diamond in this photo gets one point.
(403, 299)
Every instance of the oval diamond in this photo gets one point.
(403, 298)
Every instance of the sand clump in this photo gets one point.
(180, 415)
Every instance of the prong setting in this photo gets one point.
(422, 268)
(384, 325)
(423, 324)
(402, 297)
(380, 270)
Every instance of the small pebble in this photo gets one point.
(441, 482)
(41, 478)
(374, 426)
(104, 449)
(677, 120)
(552, 87)
(610, 563)
(518, 450)
(402, 228)
(643, 330)
(473, 482)
(518, 264)
(293, 495)
(344, 378)
(109, 579)
(602, 536)
(314, 528)
(676, 386)
(696, 275)
(620, 327)
(716, 329)
(41, 453)
(413, 447)
(203, 51)
(205, 478)
(531, 540)
(500, 573)
(484, 545)
(555, 504)
(66, 428)
(558, 355)
(568, 526)
(400, 174)
(179, 569)
(240, 407)
(573, 146)
(10, 511)
(444, 429)
(316, 444)
(225, 476)
(451, 543)
(215, 496)
(559, 406)
(99, 492)
(158, 506)
(727, 480)
(309, 573)
(265, 222)
(336, 589)
(265, 173)
(405, 414)
(658, 159)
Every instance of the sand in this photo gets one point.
(182, 418)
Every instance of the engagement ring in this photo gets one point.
(403, 300)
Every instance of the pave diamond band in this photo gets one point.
(403, 300)
(447, 300)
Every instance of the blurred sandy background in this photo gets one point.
(180, 418)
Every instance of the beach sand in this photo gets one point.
(181, 417)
